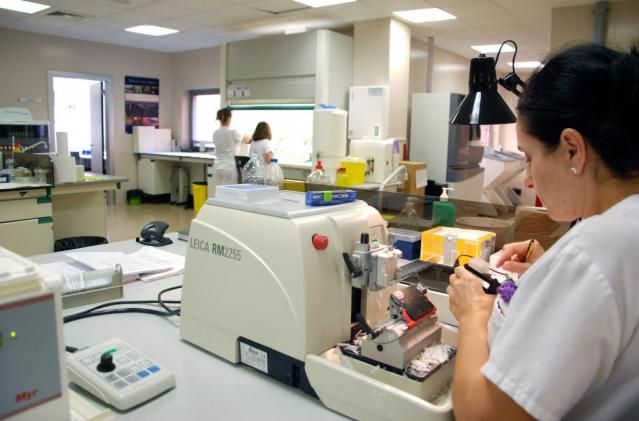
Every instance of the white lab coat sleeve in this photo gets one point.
(559, 338)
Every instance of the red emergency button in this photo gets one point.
(320, 242)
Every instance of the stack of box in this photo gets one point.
(444, 244)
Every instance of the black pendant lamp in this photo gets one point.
(483, 104)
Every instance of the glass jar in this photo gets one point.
(409, 218)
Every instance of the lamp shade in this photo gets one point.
(483, 104)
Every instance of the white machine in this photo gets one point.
(34, 385)
(369, 110)
(118, 374)
(276, 285)
(382, 157)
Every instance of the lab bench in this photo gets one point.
(79, 208)
(207, 387)
(33, 216)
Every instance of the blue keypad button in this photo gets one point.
(143, 373)
(154, 369)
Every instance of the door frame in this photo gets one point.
(107, 127)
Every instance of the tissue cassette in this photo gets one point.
(444, 244)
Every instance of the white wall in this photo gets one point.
(27, 58)
(574, 24)
(197, 69)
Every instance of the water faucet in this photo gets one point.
(42, 142)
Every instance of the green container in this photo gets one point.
(135, 201)
(443, 214)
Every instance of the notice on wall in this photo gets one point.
(141, 102)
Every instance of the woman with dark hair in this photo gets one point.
(563, 342)
(226, 140)
(260, 142)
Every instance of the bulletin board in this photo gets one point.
(141, 102)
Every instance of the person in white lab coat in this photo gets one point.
(226, 140)
(260, 143)
(563, 341)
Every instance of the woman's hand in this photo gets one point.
(467, 297)
(517, 257)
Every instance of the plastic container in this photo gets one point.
(342, 178)
(409, 242)
(317, 176)
(254, 172)
(355, 170)
(134, 197)
(444, 211)
(329, 197)
(274, 174)
(200, 194)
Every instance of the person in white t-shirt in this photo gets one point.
(260, 143)
(563, 342)
(226, 140)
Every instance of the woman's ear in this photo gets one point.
(573, 147)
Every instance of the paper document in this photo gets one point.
(161, 257)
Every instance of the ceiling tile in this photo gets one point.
(201, 5)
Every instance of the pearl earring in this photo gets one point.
(573, 170)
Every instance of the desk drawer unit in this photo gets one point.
(26, 224)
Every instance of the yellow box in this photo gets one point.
(355, 170)
(294, 185)
(444, 244)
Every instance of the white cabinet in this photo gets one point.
(26, 221)
(154, 177)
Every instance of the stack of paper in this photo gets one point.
(147, 264)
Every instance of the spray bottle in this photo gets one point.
(443, 210)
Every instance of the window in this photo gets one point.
(204, 106)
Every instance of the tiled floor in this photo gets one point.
(125, 221)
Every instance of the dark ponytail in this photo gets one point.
(594, 90)
(223, 115)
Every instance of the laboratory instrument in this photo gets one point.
(290, 283)
(34, 382)
(118, 374)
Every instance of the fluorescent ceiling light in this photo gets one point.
(322, 3)
(295, 30)
(493, 48)
(525, 64)
(424, 15)
(22, 6)
(156, 31)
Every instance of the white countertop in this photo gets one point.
(208, 388)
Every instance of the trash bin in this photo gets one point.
(134, 197)
(71, 243)
(200, 194)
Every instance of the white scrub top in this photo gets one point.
(261, 148)
(225, 141)
(568, 347)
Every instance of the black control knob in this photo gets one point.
(106, 363)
